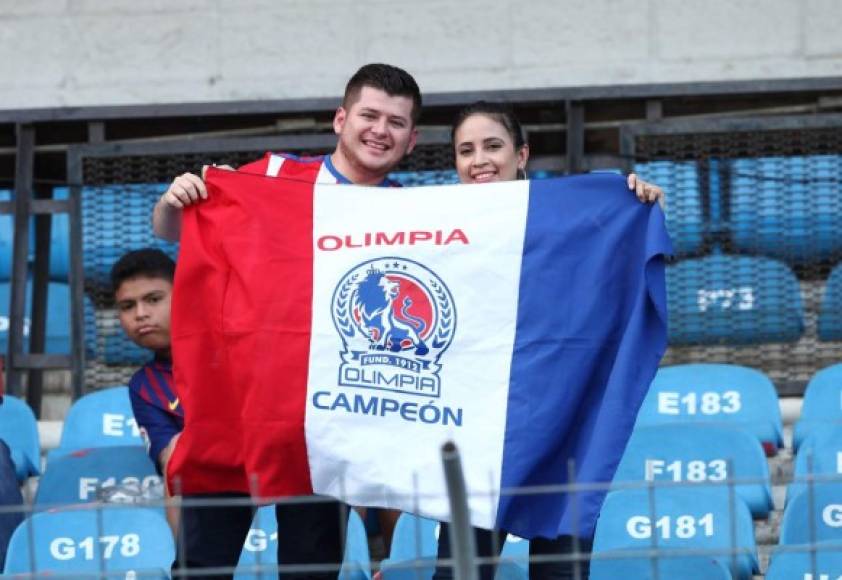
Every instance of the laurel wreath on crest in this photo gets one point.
(341, 306)
(446, 326)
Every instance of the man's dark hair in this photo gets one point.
(146, 262)
(392, 80)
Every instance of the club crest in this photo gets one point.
(395, 318)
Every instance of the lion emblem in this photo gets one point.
(386, 327)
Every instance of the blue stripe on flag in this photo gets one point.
(591, 329)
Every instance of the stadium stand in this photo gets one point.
(93, 541)
(81, 476)
(100, 419)
(823, 563)
(813, 515)
(734, 300)
(684, 212)
(715, 393)
(822, 403)
(786, 207)
(819, 456)
(702, 517)
(259, 558)
(697, 453)
(830, 313)
(19, 429)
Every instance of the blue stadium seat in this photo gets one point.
(430, 177)
(7, 239)
(19, 429)
(822, 403)
(787, 207)
(415, 546)
(830, 312)
(87, 542)
(696, 453)
(414, 549)
(722, 299)
(819, 455)
(689, 517)
(514, 559)
(115, 219)
(787, 564)
(635, 566)
(414, 537)
(259, 558)
(100, 419)
(78, 476)
(58, 318)
(685, 217)
(715, 393)
(804, 523)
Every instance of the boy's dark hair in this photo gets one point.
(500, 112)
(146, 262)
(392, 80)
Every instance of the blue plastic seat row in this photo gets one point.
(787, 207)
(115, 219)
(721, 299)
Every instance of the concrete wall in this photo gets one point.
(95, 52)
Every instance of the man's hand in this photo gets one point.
(645, 192)
(185, 190)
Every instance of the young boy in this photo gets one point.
(142, 281)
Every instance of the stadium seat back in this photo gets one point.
(697, 453)
(19, 429)
(427, 177)
(115, 219)
(100, 419)
(715, 393)
(822, 403)
(819, 456)
(79, 476)
(669, 567)
(684, 214)
(414, 537)
(7, 239)
(514, 559)
(787, 207)
(259, 558)
(813, 515)
(722, 299)
(693, 516)
(786, 565)
(58, 318)
(109, 538)
(830, 311)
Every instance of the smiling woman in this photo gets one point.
(489, 144)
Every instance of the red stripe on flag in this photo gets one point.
(241, 336)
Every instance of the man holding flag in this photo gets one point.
(376, 129)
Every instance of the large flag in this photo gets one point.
(329, 338)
